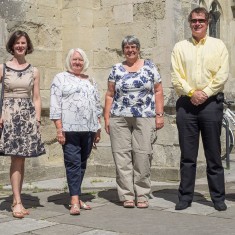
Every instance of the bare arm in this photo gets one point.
(108, 103)
(159, 105)
(36, 94)
(59, 131)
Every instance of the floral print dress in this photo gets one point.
(20, 136)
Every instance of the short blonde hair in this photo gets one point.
(68, 59)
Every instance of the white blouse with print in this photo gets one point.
(76, 102)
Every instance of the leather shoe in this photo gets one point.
(181, 205)
(220, 206)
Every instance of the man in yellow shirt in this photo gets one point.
(200, 69)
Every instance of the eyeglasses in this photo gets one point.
(133, 47)
(200, 21)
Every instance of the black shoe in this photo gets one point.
(220, 206)
(181, 205)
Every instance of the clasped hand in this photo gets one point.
(198, 97)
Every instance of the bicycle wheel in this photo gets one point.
(223, 141)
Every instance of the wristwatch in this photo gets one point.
(191, 93)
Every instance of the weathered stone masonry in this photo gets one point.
(98, 26)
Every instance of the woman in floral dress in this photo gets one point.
(21, 114)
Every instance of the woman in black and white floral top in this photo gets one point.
(75, 109)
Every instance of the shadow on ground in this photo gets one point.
(172, 196)
(64, 199)
(28, 201)
(110, 195)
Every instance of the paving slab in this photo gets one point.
(102, 232)
(62, 229)
(24, 225)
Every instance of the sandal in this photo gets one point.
(142, 205)
(129, 204)
(24, 211)
(84, 206)
(17, 214)
(75, 209)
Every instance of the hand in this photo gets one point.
(97, 136)
(1, 123)
(60, 137)
(159, 120)
(198, 97)
(106, 126)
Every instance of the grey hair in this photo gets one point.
(130, 39)
(68, 59)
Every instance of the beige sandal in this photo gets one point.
(129, 204)
(24, 211)
(143, 204)
(74, 209)
(84, 206)
(17, 214)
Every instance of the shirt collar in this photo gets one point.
(202, 41)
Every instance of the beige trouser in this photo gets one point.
(131, 141)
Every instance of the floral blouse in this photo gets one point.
(134, 91)
(76, 102)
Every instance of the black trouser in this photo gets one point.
(191, 121)
(77, 149)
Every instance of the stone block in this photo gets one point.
(101, 77)
(103, 17)
(81, 37)
(86, 17)
(145, 31)
(108, 3)
(51, 3)
(100, 35)
(42, 57)
(45, 98)
(151, 10)
(77, 3)
(49, 74)
(123, 13)
(71, 17)
(106, 58)
(3, 33)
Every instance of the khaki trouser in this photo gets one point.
(131, 141)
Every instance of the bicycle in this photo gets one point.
(227, 136)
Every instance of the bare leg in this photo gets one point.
(17, 177)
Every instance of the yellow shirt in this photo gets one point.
(200, 65)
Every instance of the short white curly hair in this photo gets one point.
(68, 59)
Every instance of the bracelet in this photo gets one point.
(160, 114)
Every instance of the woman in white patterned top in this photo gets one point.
(75, 109)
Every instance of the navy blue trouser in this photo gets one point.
(191, 121)
(77, 149)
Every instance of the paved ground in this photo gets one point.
(48, 203)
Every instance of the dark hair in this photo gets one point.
(199, 10)
(130, 39)
(14, 37)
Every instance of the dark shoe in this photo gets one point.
(220, 206)
(181, 205)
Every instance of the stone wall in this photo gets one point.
(98, 26)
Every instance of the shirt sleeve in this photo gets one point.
(221, 76)
(97, 99)
(178, 74)
(157, 76)
(56, 98)
(112, 74)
